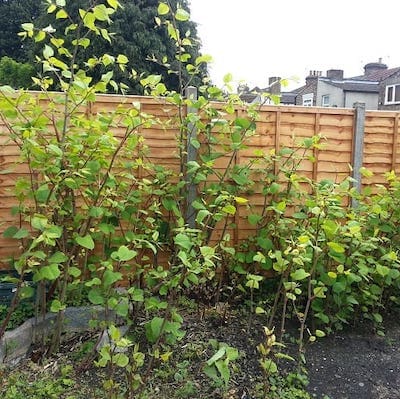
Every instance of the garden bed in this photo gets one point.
(350, 364)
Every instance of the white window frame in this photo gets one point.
(325, 102)
(308, 99)
(393, 96)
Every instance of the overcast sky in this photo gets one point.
(255, 39)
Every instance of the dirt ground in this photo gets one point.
(356, 365)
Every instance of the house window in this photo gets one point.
(325, 101)
(392, 94)
(308, 99)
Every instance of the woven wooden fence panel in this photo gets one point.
(276, 127)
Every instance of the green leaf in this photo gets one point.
(39, 222)
(338, 287)
(51, 8)
(74, 271)
(254, 219)
(205, 58)
(217, 355)
(207, 252)
(153, 329)
(201, 215)
(110, 277)
(26, 292)
(300, 215)
(40, 36)
(253, 284)
(291, 296)
(269, 366)
(113, 4)
(122, 59)
(330, 228)
(27, 27)
(95, 296)
(50, 272)
(61, 14)
(336, 247)
(182, 15)
(229, 209)
(382, 270)
(320, 333)
(377, 317)
(48, 51)
(163, 9)
(136, 294)
(274, 188)
(9, 232)
(264, 243)
(58, 257)
(55, 149)
(121, 360)
(85, 242)
(122, 308)
(241, 200)
(228, 78)
(323, 317)
(244, 123)
(211, 372)
(93, 281)
(123, 254)
(224, 371)
(183, 241)
(299, 274)
(56, 306)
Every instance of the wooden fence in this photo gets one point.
(351, 138)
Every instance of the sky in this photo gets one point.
(256, 39)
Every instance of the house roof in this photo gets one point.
(364, 86)
(288, 97)
(377, 75)
(248, 97)
(361, 87)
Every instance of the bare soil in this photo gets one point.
(354, 364)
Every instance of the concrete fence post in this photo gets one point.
(358, 146)
(191, 94)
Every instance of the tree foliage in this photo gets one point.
(12, 14)
(133, 32)
(15, 74)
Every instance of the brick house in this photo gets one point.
(378, 88)
(333, 90)
(258, 95)
(388, 81)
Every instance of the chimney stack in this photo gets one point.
(274, 83)
(335, 74)
(313, 75)
(374, 67)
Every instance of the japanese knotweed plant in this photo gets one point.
(81, 184)
(332, 262)
(88, 222)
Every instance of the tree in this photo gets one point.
(13, 13)
(16, 74)
(146, 44)
(135, 33)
